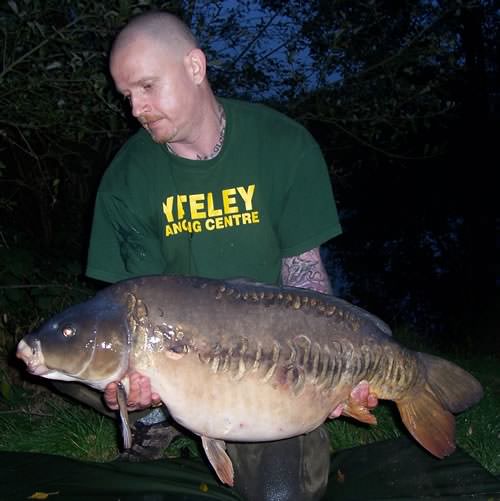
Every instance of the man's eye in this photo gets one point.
(147, 86)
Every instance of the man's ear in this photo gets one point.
(196, 65)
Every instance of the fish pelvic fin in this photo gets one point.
(359, 412)
(220, 461)
(427, 411)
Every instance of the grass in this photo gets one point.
(478, 429)
(40, 421)
(33, 419)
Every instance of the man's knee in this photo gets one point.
(294, 469)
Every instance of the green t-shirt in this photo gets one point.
(265, 196)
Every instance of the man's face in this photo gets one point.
(158, 86)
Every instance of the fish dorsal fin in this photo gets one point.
(242, 281)
(327, 299)
(220, 461)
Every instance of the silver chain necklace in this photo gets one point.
(218, 144)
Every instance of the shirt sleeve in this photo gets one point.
(309, 216)
(121, 244)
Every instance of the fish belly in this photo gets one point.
(216, 406)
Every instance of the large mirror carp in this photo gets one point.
(245, 362)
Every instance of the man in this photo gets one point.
(216, 188)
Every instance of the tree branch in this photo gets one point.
(254, 39)
(37, 47)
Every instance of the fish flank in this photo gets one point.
(241, 370)
(258, 357)
(364, 360)
(293, 365)
(336, 371)
(303, 342)
(325, 361)
(215, 363)
(296, 379)
(274, 362)
(227, 360)
(396, 373)
(375, 361)
(315, 363)
(392, 364)
(293, 353)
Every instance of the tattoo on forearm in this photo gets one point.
(306, 271)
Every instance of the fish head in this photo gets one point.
(88, 342)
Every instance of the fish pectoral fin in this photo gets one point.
(121, 395)
(431, 425)
(220, 461)
(358, 411)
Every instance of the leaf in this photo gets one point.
(42, 495)
(13, 6)
(5, 390)
(45, 303)
(53, 66)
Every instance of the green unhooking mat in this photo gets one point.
(393, 469)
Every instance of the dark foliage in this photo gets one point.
(402, 97)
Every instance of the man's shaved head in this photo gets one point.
(156, 64)
(160, 27)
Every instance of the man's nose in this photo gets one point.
(139, 105)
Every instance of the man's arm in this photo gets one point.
(139, 395)
(306, 271)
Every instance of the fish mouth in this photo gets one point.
(33, 358)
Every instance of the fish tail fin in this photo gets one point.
(427, 411)
(431, 425)
(456, 389)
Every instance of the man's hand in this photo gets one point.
(139, 395)
(360, 398)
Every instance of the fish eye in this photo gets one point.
(68, 331)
